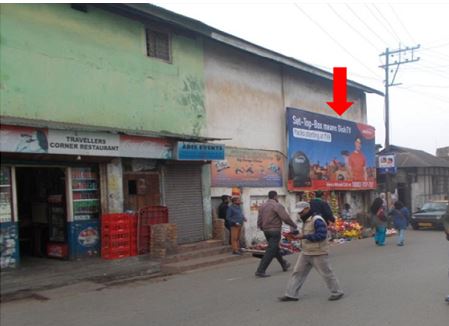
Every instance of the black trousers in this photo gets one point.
(273, 239)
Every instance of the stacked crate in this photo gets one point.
(118, 236)
(149, 216)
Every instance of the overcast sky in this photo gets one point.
(352, 35)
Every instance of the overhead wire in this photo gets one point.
(352, 28)
(398, 18)
(387, 21)
(364, 24)
(333, 39)
(380, 22)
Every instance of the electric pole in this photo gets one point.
(393, 59)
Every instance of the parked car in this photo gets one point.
(430, 215)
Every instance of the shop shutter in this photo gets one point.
(183, 197)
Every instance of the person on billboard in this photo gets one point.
(357, 162)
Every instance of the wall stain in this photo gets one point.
(193, 97)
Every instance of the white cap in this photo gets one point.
(300, 206)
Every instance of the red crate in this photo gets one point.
(118, 235)
(57, 250)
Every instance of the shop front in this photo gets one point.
(56, 184)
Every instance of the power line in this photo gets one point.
(427, 95)
(388, 23)
(436, 46)
(365, 24)
(400, 22)
(379, 21)
(352, 28)
(333, 39)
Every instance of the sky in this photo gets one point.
(353, 35)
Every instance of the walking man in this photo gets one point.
(270, 218)
(314, 253)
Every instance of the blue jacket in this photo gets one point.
(400, 218)
(234, 215)
(323, 209)
(320, 232)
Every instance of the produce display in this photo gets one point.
(345, 229)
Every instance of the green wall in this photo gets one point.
(91, 68)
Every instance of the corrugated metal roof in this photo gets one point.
(152, 11)
(414, 158)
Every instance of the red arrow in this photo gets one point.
(340, 104)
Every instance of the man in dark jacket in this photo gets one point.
(322, 208)
(270, 218)
(446, 230)
(222, 211)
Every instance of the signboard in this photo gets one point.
(387, 164)
(52, 141)
(83, 143)
(327, 153)
(192, 151)
(248, 168)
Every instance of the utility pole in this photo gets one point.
(398, 57)
(393, 58)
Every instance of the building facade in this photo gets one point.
(96, 104)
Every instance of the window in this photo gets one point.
(158, 44)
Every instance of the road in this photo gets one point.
(384, 286)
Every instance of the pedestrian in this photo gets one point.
(270, 218)
(346, 213)
(315, 253)
(222, 210)
(446, 230)
(400, 215)
(378, 221)
(322, 208)
(235, 219)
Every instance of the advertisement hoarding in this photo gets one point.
(327, 153)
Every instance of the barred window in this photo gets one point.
(158, 44)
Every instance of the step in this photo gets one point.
(192, 264)
(192, 254)
(199, 245)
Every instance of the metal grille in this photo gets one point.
(158, 44)
(184, 201)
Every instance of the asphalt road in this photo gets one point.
(384, 286)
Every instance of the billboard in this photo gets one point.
(328, 153)
(387, 164)
(248, 168)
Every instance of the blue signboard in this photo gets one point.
(387, 164)
(327, 153)
(192, 151)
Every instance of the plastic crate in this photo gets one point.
(147, 217)
(118, 235)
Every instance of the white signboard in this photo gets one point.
(83, 143)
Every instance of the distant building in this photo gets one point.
(420, 176)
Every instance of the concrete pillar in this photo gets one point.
(207, 202)
(114, 172)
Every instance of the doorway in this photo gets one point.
(41, 207)
(141, 190)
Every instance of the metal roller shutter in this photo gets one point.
(184, 200)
